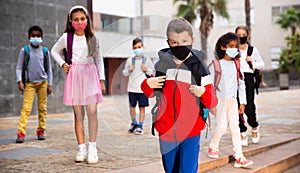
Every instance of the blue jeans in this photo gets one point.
(180, 157)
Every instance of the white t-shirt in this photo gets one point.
(137, 76)
(228, 83)
(257, 60)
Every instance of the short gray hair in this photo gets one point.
(179, 25)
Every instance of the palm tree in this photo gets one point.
(248, 18)
(189, 9)
(289, 19)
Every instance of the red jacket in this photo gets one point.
(179, 115)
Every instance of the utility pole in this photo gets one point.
(142, 20)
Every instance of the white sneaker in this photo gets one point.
(80, 156)
(138, 131)
(244, 139)
(255, 136)
(92, 156)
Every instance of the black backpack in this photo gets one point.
(257, 73)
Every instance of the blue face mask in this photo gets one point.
(139, 51)
(232, 52)
(35, 41)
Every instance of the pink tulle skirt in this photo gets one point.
(82, 85)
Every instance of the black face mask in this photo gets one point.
(181, 52)
(243, 40)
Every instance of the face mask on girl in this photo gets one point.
(232, 52)
(243, 40)
(138, 51)
(35, 41)
(181, 52)
(79, 26)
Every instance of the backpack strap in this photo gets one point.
(249, 53)
(144, 59)
(217, 68)
(25, 64)
(45, 53)
(70, 38)
(238, 69)
(133, 61)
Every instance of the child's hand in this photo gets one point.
(49, 89)
(156, 82)
(131, 68)
(66, 67)
(144, 68)
(102, 84)
(196, 90)
(249, 59)
(241, 109)
(213, 111)
(21, 86)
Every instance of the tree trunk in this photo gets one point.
(206, 17)
(248, 18)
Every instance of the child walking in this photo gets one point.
(227, 109)
(183, 87)
(137, 68)
(84, 77)
(248, 65)
(34, 75)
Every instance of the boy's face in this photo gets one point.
(137, 46)
(34, 34)
(180, 39)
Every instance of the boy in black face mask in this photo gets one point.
(183, 88)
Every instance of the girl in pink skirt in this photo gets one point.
(84, 81)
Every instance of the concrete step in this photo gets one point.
(275, 160)
(226, 153)
(206, 164)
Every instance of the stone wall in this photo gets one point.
(16, 17)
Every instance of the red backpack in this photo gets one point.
(218, 72)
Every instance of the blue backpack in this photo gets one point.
(26, 61)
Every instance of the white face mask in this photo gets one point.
(35, 41)
(139, 51)
(232, 52)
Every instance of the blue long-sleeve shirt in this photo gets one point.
(36, 71)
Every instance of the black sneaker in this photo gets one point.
(20, 138)
(40, 135)
(132, 128)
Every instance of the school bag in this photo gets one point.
(218, 73)
(257, 73)
(68, 52)
(144, 59)
(26, 61)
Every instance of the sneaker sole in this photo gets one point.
(79, 161)
(213, 157)
(92, 162)
(138, 133)
(243, 166)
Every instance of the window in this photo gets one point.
(274, 56)
(276, 11)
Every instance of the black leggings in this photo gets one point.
(250, 109)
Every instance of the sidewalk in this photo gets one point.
(278, 112)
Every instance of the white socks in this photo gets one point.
(92, 145)
(82, 147)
